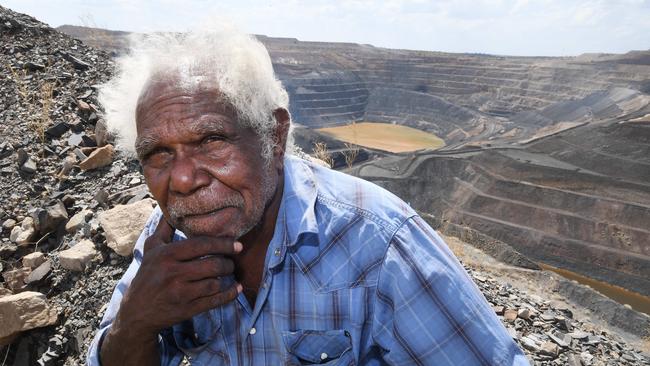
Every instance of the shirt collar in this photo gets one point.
(296, 217)
(299, 199)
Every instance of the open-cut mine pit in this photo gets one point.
(536, 161)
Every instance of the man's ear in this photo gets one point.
(283, 119)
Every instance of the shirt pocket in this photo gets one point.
(319, 347)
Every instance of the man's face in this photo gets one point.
(203, 168)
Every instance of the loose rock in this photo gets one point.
(79, 256)
(24, 311)
(101, 157)
(39, 272)
(23, 234)
(78, 221)
(33, 260)
(50, 219)
(123, 224)
(15, 279)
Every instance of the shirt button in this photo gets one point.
(252, 331)
(323, 356)
(277, 252)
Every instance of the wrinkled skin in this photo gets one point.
(211, 182)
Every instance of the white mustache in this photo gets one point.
(201, 205)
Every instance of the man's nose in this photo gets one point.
(186, 177)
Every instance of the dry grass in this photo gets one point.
(39, 125)
(321, 152)
(19, 80)
(350, 154)
(385, 136)
(37, 121)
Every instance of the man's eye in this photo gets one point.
(156, 157)
(213, 138)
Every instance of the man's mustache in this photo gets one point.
(202, 204)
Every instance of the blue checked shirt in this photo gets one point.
(353, 276)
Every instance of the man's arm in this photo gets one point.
(428, 311)
(173, 356)
(163, 286)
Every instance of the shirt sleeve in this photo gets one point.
(428, 311)
(169, 353)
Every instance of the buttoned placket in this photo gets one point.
(277, 253)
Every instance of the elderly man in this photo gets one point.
(254, 257)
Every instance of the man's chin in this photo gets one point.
(223, 223)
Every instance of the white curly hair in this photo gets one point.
(238, 62)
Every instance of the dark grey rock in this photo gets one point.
(33, 66)
(57, 129)
(39, 272)
(29, 166)
(76, 62)
(50, 219)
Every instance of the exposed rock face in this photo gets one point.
(123, 224)
(24, 311)
(578, 200)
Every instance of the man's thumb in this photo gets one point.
(162, 235)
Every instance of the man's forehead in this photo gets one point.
(177, 82)
(194, 91)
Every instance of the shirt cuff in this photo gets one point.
(92, 358)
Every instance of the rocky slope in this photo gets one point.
(57, 175)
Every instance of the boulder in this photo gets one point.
(123, 223)
(101, 133)
(39, 272)
(15, 279)
(50, 219)
(83, 106)
(510, 315)
(100, 157)
(549, 349)
(7, 250)
(79, 256)
(24, 311)
(29, 166)
(23, 234)
(523, 313)
(5, 291)
(33, 260)
(9, 224)
(78, 221)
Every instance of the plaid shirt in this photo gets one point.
(352, 276)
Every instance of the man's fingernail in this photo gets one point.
(240, 288)
(238, 247)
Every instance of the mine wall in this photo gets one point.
(600, 237)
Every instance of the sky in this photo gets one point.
(502, 27)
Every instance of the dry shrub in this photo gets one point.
(351, 152)
(321, 152)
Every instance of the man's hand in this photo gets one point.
(174, 282)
